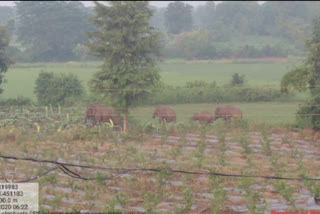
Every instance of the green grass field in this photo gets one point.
(21, 81)
(262, 74)
(21, 77)
(272, 113)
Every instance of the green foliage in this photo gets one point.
(5, 61)
(230, 22)
(157, 20)
(19, 101)
(187, 198)
(199, 154)
(191, 45)
(200, 84)
(307, 77)
(60, 89)
(204, 15)
(6, 14)
(122, 199)
(237, 80)
(286, 191)
(197, 45)
(178, 17)
(252, 196)
(81, 52)
(220, 194)
(204, 92)
(151, 201)
(266, 146)
(49, 179)
(129, 47)
(51, 30)
(251, 51)
(313, 187)
(297, 78)
(304, 116)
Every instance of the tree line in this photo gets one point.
(56, 31)
(130, 48)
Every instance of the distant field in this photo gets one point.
(266, 74)
(272, 113)
(21, 77)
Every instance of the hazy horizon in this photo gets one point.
(153, 3)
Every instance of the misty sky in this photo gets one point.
(154, 3)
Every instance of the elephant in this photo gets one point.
(227, 112)
(203, 117)
(165, 113)
(102, 113)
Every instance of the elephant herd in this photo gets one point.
(224, 112)
(102, 113)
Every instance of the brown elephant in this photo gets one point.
(165, 113)
(203, 117)
(227, 112)
(102, 113)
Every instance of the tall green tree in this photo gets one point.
(157, 19)
(241, 17)
(130, 47)
(204, 15)
(50, 30)
(5, 61)
(306, 77)
(178, 17)
(6, 14)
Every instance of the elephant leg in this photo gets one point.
(96, 119)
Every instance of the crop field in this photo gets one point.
(173, 72)
(160, 168)
(185, 167)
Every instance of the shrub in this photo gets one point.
(19, 101)
(256, 94)
(237, 80)
(203, 92)
(200, 83)
(63, 89)
(308, 116)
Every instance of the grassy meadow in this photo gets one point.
(21, 77)
(21, 82)
(272, 113)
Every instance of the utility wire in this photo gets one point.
(127, 170)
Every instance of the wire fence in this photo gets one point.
(63, 167)
(251, 105)
(277, 87)
(161, 115)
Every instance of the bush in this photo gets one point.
(200, 83)
(19, 101)
(237, 79)
(256, 94)
(203, 92)
(308, 116)
(62, 89)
